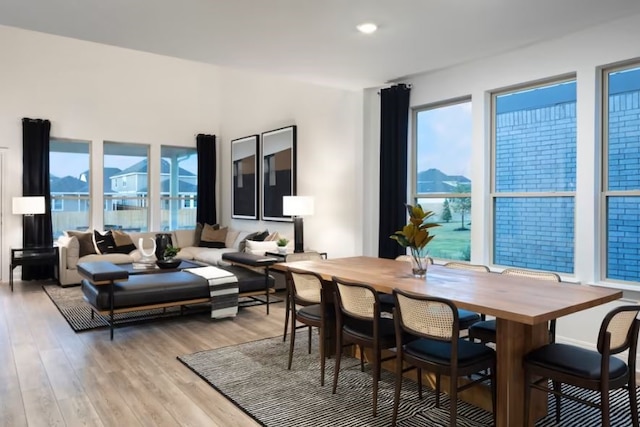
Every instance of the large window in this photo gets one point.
(534, 177)
(69, 179)
(621, 183)
(442, 184)
(179, 186)
(126, 182)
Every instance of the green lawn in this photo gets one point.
(449, 243)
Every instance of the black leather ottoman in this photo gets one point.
(110, 289)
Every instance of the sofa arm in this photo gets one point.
(69, 249)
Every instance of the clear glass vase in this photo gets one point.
(419, 263)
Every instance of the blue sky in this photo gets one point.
(444, 139)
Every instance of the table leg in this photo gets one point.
(11, 267)
(513, 341)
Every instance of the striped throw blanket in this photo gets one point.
(223, 289)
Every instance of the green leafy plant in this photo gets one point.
(170, 251)
(415, 235)
(282, 242)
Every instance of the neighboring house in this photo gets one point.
(435, 181)
(69, 194)
(133, 182)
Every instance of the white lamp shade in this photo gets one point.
(297, 205)
(32, 205)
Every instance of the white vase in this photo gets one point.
(282, 249)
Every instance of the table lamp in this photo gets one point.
(297, 206)
(28, 206)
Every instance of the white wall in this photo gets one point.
(102, 93)
(581, 53)
(329, 152)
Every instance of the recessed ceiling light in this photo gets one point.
(367, 28)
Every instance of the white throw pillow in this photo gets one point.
(259, 248)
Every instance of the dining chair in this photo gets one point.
(597, 370)
(468, 318)
(298, 256)
(358, 321)
(485, 330)
(438, 349)
(306, 292)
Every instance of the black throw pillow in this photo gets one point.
(104, 242)
(261, 236)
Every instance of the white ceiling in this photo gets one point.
(316, 41)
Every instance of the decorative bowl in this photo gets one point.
(168, 263)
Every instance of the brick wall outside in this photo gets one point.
(535, 152)
(534, 233)
(623, 225)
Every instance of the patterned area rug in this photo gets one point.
(78, 313)
(254, 376)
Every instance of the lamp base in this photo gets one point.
(298, 235)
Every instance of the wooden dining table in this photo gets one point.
(522, 307)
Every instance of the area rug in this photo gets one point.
(77, 312)
(254, 376)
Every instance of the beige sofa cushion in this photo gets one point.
(184, 238)
(85, 239)
(114, 258)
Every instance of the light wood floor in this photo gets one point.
(52, 376)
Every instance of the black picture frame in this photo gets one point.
(244, 177)
(278, 171)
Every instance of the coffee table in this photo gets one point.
(136, 268)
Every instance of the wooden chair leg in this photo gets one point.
(420, 383)
(287, 310)
(604, 401)
(309, 350)
(376, 378)
(527, 396)
(292, 340)
(453, 400)
(321, 346)
(398, 388)
(557, 386)
(336, 370)
(633, 401)
(361, 349)
(437, 390)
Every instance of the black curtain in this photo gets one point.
(36, 229)
(206, 146)
(394, 124)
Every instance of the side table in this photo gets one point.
(37, 255)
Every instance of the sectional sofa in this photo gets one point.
(186, 240)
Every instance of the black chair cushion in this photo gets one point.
(485, 326)
(387, 302)
(440, 351)
(364, 330)
(575, 361)
(467, 318)
(311, 312)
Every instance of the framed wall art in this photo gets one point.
(244, 167)
(278, 171)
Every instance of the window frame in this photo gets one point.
(495, 195)
(415, 196)
(143, 201)
(605, 193)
